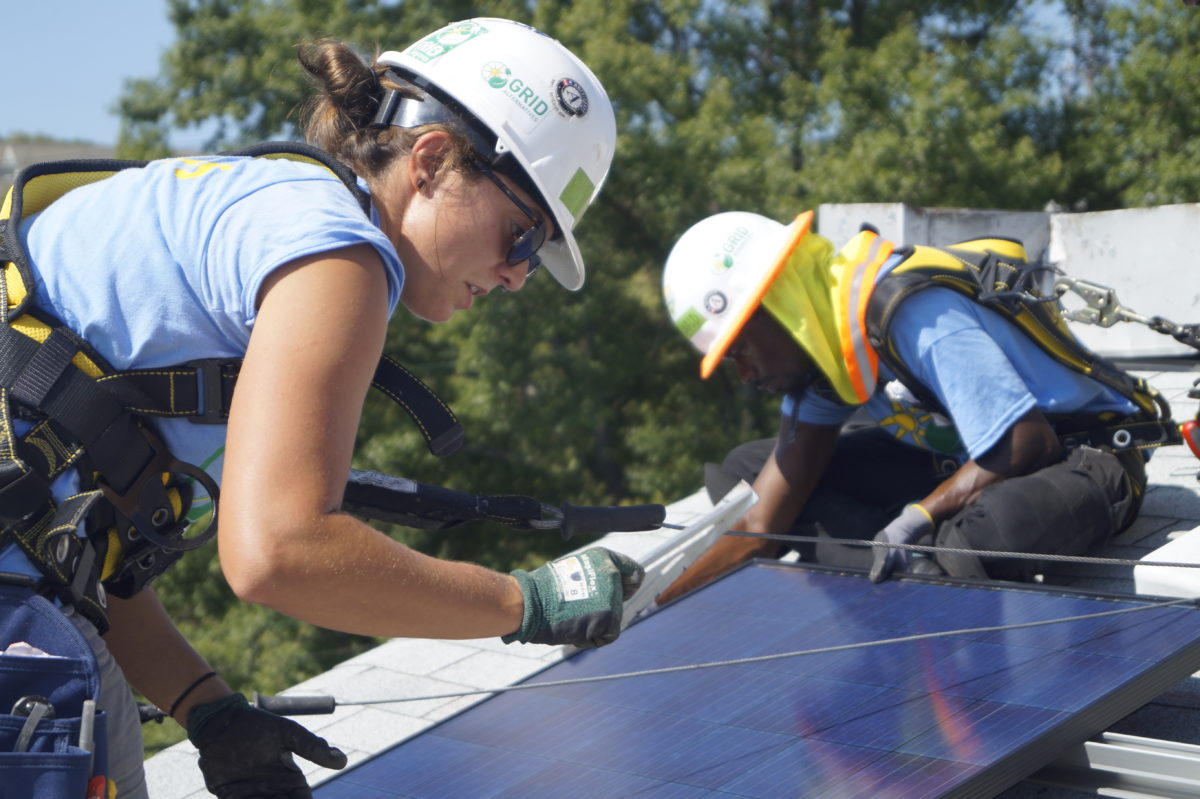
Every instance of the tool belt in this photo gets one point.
(53, 742)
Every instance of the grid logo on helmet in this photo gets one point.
(570, 100)
(723, 259)
(735, 241)
(722, 263)
(442, 41)
(496, 74)
(499, 76)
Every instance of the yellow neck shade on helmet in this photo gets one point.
(820, 299)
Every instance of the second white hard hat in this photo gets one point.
(718, 272)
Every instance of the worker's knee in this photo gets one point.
(1066, 509)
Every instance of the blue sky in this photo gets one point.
(72, 58)
(69, 60)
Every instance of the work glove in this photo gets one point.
(246, 753)
(576, 599)
(912, 523)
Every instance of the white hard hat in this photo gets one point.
(718, 272)
(544, 106)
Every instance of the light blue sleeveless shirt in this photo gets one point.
(162, 265)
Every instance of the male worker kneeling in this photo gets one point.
(979, 463)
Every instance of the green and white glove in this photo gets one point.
(576, 599)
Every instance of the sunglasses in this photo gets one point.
(525, 246)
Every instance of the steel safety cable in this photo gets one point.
(983, 553)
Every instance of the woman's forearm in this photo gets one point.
(155, 657)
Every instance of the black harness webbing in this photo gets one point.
(427, 507)
(86, 415)
(202, 392)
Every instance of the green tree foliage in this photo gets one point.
(771, 106)
(1143, 125)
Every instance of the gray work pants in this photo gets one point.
(124, 728)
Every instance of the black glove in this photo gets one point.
(246, 753)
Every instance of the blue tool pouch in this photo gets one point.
(45, 760)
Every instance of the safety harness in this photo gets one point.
(91, 417)
(997, 273)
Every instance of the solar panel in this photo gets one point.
(965, 715)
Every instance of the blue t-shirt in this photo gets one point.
(162, 265)
(985, 372)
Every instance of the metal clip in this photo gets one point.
(1102, 309)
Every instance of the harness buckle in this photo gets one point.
(145, 505)
(210, 391)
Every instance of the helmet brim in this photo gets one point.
(562, 260)
(778, 252)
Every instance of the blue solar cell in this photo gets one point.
(836, 771)
(961, 715)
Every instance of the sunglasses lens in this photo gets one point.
(526, 246)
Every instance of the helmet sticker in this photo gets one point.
(570, 100)
(722, 263)
(443, 41)
(690, 322)
(496, 74)
(577, 193)
(500, 77)
(723, 259)
(715, 303)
